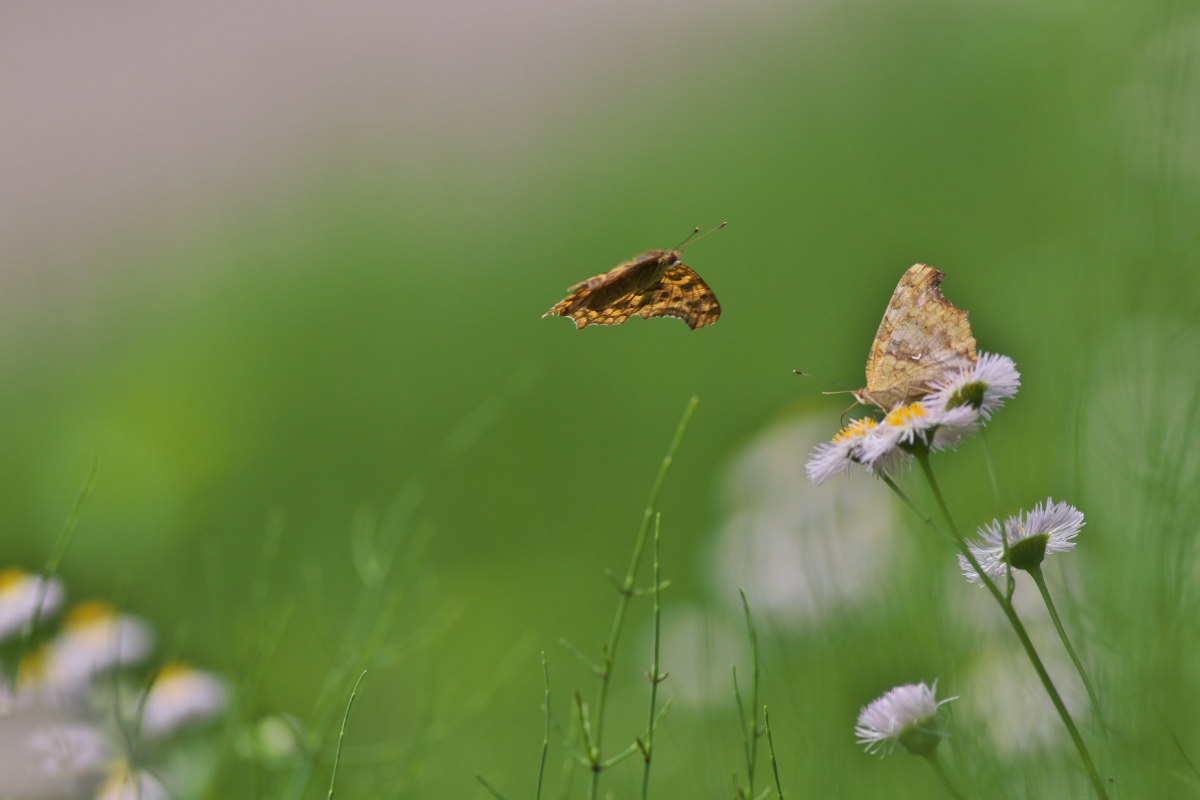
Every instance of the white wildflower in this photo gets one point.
(906, 715)
(22, 596)
(1050, 528)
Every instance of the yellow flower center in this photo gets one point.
(905, 415)
(857, 428)
(90, 612)
(10, 577)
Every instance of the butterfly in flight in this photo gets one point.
(655, 284)
(922, 340)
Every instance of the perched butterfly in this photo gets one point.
(655, 284)
(922, 339)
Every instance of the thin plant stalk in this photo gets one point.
(940, 771)
(751, 724)
(491, 790)
(337, 755)
(627, 592)
(1040, 579)
(990, 463)
(771, 750)
(656, 676)
(57, 552)
(546, 730)
(1006, 606)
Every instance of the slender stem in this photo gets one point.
(752, 723)
(483, 782)
(337, 756)
(635, 561)
(771, 749)
(908, 501)
(656, 676)
(741, 708)
(546, 730)
(936, 763)
(57, 552)
(990, 463)
(1007, 607)
(1040, 579)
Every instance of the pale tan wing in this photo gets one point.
(681, 293)
(921, 339)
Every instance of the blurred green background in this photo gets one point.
(343, 296)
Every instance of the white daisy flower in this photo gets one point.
(983, 386)
(906, 715)
(20, 596)
(802, 552)
(951, 425)
(915, 424)
(1050, 528)
(830, 458)
(93, 639)
(181, 694)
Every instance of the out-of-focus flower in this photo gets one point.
(65, 748)
(700, 645)
(181, 694)
(906, 715)
(1024, 540)
(274, 740)
(1009, 705)
(46, 753)
(126, 783)
(61, 727)
(21, 594)
(801, 552)
(94, 638)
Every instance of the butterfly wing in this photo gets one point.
(681, 293)
(921, 339)
(577, 306)
(652, 285)
(602, 300)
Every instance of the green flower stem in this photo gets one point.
(936, 763)
(656, 676)
(1040, 580)
(922, 457)
(627, 592)
(991, 467)
(546, 730)
(908, 501)
(771, 749)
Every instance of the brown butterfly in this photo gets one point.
(655, 284)
(922, 339)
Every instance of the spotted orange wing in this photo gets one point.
(922, 338)
(655, 284)
(681, 293)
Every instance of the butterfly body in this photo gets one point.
(922, 339)
(655, 284)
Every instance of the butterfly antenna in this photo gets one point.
(804, 374)
(695, 230)
(698, 238)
